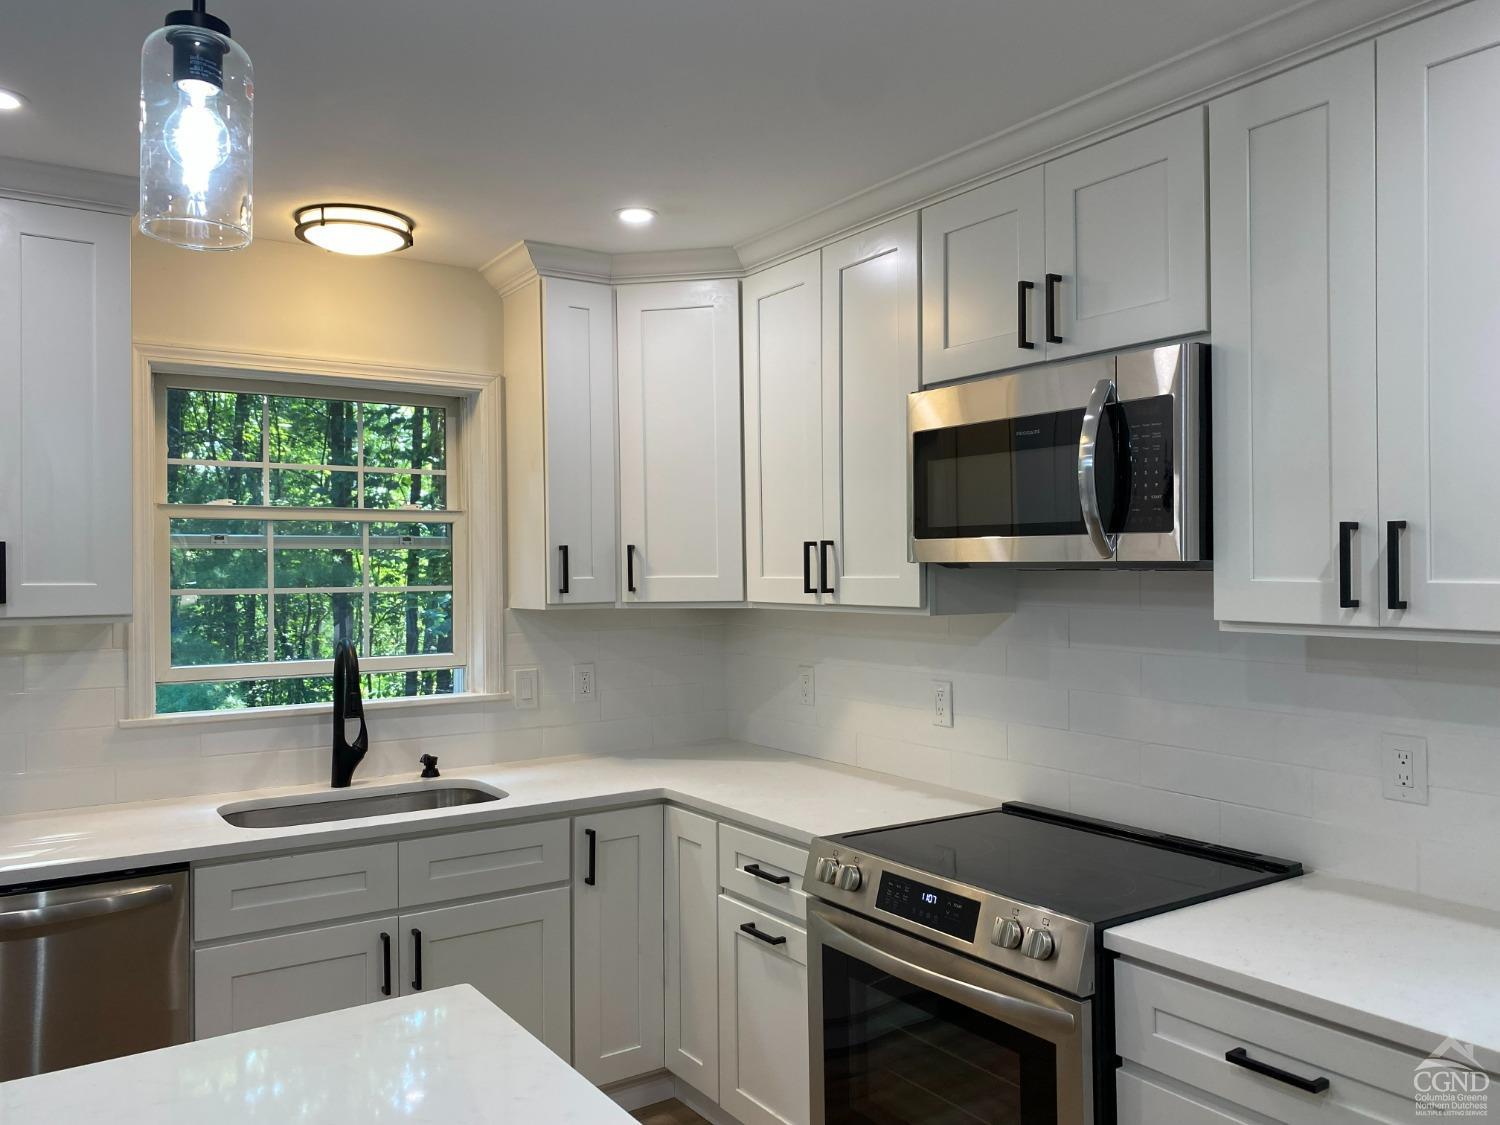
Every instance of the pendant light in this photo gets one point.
(197, 93)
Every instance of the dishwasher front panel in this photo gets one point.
(93, 970)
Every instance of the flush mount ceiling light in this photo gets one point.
(353, 228)
(9, 100)
(636, 216)
(197, 93)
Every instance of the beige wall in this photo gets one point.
(290, 299)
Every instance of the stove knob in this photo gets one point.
(849, 878)
(1038, 944)
(1008, 933)
(827, 870)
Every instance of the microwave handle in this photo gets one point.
(1088, 447)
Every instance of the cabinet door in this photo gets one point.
(870, 364)
(578, 364)
(65, 402)
(680, 506)
(512, 949)
(783, 430)
(763, 1072)
(1437, 97)
(982, 267)
(692, 950)
(618, 995)
(1126, 236)
(274, 979)
(1292, 199)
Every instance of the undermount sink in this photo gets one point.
(317, 808)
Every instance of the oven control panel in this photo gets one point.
(933, 907)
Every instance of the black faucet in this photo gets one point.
(347, 704)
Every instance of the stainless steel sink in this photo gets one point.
(318, 808)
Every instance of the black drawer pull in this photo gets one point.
(749, 928)
(808, 547)
(755, 869)
(1240, 1057)
(416, 960)
(593, 838)
(1022, 288)
(1347, 600)
(1053, 281)
(1393, 530)
(385, 955)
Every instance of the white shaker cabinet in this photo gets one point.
(1126, 239)
(679, 413)
(692, 949)
(1292, 205)
(618, 987)
(65, 407)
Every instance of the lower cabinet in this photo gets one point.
(763, 1045)
(692, 949)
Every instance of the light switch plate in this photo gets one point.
(1403, 764)
(583, 682)
(525, 689)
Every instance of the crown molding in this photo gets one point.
(76, 187)
(516, 265)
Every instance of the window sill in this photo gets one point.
(312, 710)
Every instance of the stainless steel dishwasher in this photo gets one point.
(93, 970)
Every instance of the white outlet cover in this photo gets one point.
(525, 689)
(942, 703)
(583, 682)
(806, 688)
(1394, 749)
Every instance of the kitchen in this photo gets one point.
(970, 603)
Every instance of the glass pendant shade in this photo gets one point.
(197, 97)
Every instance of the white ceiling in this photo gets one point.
(491, 122)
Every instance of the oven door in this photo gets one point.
(903, 1033)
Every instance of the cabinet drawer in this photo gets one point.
(1141, 1101)
(1184, 1030)
(292, 890)
(774, 859)
(491, 861)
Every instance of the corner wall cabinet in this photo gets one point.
(65, 407)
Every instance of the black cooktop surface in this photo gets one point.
(1092, 870)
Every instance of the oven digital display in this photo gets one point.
(937, 909)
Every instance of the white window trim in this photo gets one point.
(478, 471)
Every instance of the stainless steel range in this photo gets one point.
(957, 969)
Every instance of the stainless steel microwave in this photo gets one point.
(1099, 462)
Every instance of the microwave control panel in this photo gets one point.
(1145, 429)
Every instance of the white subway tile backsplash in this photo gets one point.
(1077, 753)
(1243, 781)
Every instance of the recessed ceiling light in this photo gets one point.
(636, 216)
(353, 228)
(9, 99)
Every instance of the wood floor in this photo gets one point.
(670, 1112)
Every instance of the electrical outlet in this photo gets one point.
(1404, 765)
(583, 682)
(805, 692)
(942, 703)
(525, 689)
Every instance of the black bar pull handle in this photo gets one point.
(760, 873)
(825, 567)
(630, 567)
(1022, 288)
(1347, 600)
(1393, 530)
(2, 572)
(1053, 281)
(385, 957)
(562, 587)
(1240, 1057)
(416, 960)
(588, 880)
(808, 547)
(749, 928)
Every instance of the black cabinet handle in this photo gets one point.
(562, 587)
(808, 548)
(2, 572)
(1347, 600)
(588, 880)
(824, 569)
(1393, 530)
(1022, 288)
(749, 928)
(1053, 281)
(756, 870)
(385, 955)
(1240, 1057)
(630, 567)
(416, 960)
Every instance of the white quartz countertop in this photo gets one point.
(448, 1056)
(784, 794)
(1396, 966)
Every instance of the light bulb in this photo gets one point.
(197, 138)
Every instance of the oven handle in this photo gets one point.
(1022, 1014)
(1088, 446)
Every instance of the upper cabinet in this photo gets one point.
(560, 443)
(65, 409)
(1098, 250)
(679, 412)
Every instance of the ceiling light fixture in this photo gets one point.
(197, 94)
(636, 216)
(9, 100)
(353, 228)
